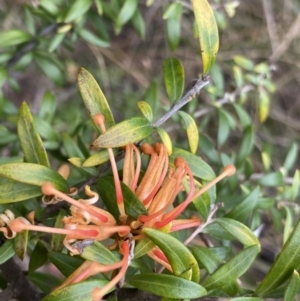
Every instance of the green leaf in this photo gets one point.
(33, 174)
(56, 243)
(92, 38)
(263, 105)
(291, 157)
(125, 14)
(207, 258)
(77, 9)
(146, 110)
(13, 37)
(56, 41)
(46, 282)
(139, 24)
(244, 62)
(38, 257)
(295, 186)
(31, 142)
(246, 299)
(20, 244)
(173, 33)
(93, 98)
(65, 263)
(191, 129)
(208, 33)
(233, 269)
(80, 291)
(45, 129)
(99, 253)
(180, 257)
(223, 129)
(173, 73)
(292, 288)
(48, 106)
(238, 230)
(165, 138)
(13, 191)
(143, 247)
(50, 68)
(132, 204)
(286, 262)
(217, 231)
(98, 158)
(7, 251)
(246, 144)
(244, 209)
(125, 132)
(99, 7)
(173, 11)
(199, 168)
(166, 286)
(288, 223)
(272, 179)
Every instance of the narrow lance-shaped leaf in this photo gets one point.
(245, 208)
(199, 167)
(33, 174)
(286, 262)
(13, 191)
(191, 130)
(7, 251)
(13, 37)
(77, 9)
(165, 138)
(233, 269)
(292, 288)
(166, 286)
(173, 73)
(208, 33)
(125, 132)
(78, 291)
(179, 256)
(93, 98)
(238, 230)
(20, 244)
(146, 110)
(31, 142)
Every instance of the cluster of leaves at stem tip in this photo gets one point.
(132, 239)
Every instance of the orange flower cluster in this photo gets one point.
(157, 191)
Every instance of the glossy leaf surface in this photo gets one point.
(13, 37)
(286, 262)
(165, 139)
(166, 286)
(292, 288)
(7, 251)
(93, 97)
(33, 174)
(79, 291)
(125, 132)
(13, 191)
(199, 167)
(146, 110)
(65, 263)
(99, 253)
(132, 204)
(179, 256)
(208, 33)
(233, 269)
(191, 129)
(173, 73)
(238, 230)
(31, 142)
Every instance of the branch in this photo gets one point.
(201, 82)
(32, 44)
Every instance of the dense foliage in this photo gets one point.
(148, 152)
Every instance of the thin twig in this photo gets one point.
(271, 25)
(201, 82)
(202, 226)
